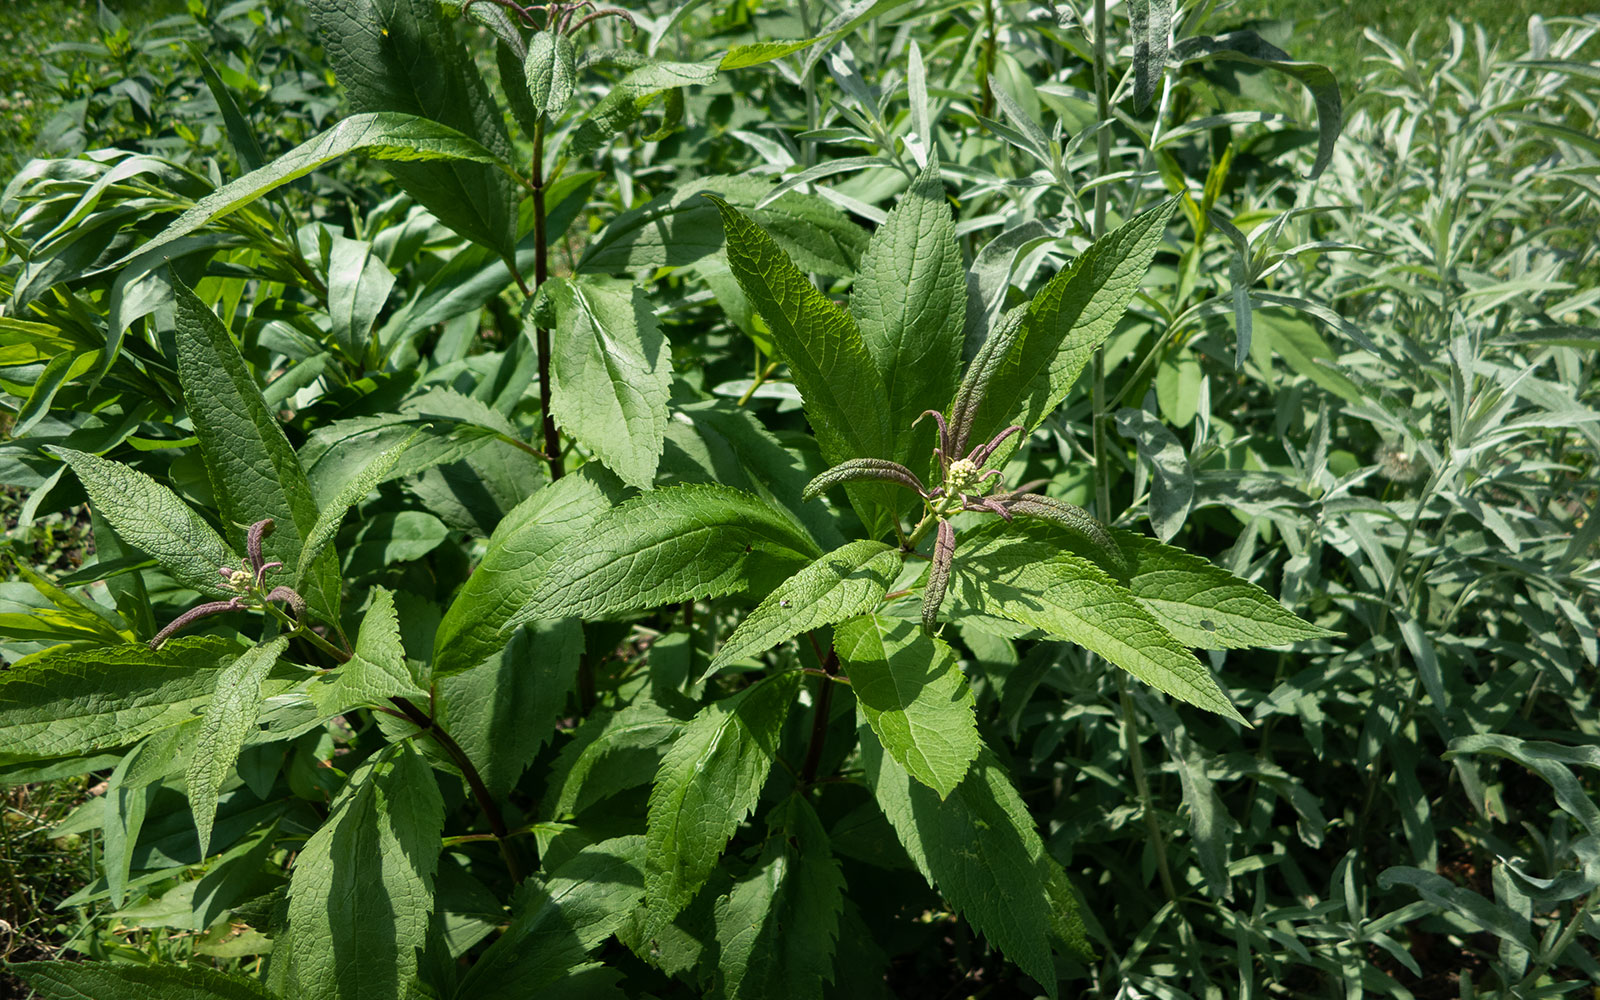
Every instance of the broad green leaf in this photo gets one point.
(707, 784)
(376, 673)
(778, 927)
(611, 374)
(1203, 605)
(550, 68)
(1018, 571)
(911, 692)
(979, 849)
(557, 921)
(403, 56)
(910, 303)
(504, 708)
(350, 494)
(62, 980)
(1247, 46)
(609, 753)
(844, 394)
(1072, 315)
(669, 545)
(69, 700)
(152, 518)
(229, 721)
(253, 470)
(385, 136)
(362, 887)
(846, 582)
(541, 529)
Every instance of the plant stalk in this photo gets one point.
(819, 719)
(541, 336)
(1141, 784)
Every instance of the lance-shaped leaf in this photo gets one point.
(550, 68)
(383, 135)
(1203, 605)
(1150, 24)
(849, 581)
(839, 382)
(1072, 315)
(361, 892)
(69, 700)
(778, 927)
(944, 553)
(403, 56)
(533, 534)
(228, 722)
(1247, 46)
(979, 849)
(911, 692)
(856, 470)
(119, 981)
(608, 754)
(556, 922)
(610, 373)
(253, 470)
(377, 672)
(1172, 477)
(350, 494)
(1021, 573)
(152, 518)
(706, 786)
(910, 304)
(669, 545)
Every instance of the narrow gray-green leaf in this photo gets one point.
(706, 786)
(153, 519)
(669, 545)
(1203, 605)
(71, 700)
(979, 849)
(911, 692)
(1150, 25)
(610, 374)
(910, 305)
(361, 892)
(377, 671)
(253, 470)
(1017, 571)
(846, 582)
(1172, 478)
(228, 722)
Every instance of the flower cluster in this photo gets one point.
(249, 587)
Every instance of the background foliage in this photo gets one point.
(1365, 385)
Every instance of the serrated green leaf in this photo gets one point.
(536, 532)
(609, 753)
(229, 720)
(611, 374)
(846, 582)
(707, 784)
(1072, 315)
(777, 928)
(1018, 571)
(350, 494)
(404, 56)
(362, 887)
(979, 849)
(385, 135)
(558, 921)
(69, 700)
(551, 71)
(1203, 605)
(377, 671)
(150, 517)
(910, 303)
(253, 470)
(121, 981)
(669, 545)
(911, 692)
